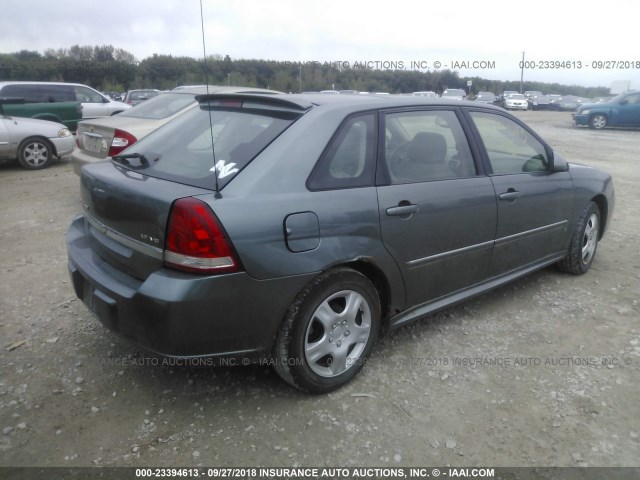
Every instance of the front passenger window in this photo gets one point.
(511, 148)
(425, 146)
(85, 95)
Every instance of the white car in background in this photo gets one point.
(35, 143)
(454, 94)
(102, 138)
(427, 93)
(515, 101)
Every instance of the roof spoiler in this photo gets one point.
(251, 100)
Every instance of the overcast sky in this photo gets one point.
(462, 31)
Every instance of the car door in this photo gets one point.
(93, 104)
(437, 214)
(534, 204)
(627, 113)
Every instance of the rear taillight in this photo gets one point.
(121, 140)
(196, 241)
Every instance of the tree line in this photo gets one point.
(107, 68)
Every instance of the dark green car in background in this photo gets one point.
(297, 228)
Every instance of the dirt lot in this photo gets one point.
(516, 377)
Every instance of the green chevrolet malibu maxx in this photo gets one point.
(298, 228)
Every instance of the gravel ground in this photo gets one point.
(543, 372)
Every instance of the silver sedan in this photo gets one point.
(35, 143)
(101, 138)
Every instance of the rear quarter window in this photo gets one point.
(348, 161)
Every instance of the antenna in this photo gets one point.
(206, 79)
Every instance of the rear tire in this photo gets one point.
(328, 332)
(35, 153)
(584, 242)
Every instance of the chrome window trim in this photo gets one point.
(154, 252)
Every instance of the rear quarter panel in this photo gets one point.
(255, 204)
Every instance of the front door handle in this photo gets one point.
(509, 195)
(402, 210)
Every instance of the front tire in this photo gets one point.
(328, 332)
(598, 121)
(35, 153)
(584, 242)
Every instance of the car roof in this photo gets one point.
(355, 103)
(20, 82)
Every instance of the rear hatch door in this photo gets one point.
(126, 214)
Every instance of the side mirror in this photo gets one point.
(624, 101)
(556, 162)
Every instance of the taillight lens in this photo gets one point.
(196, 241)
(121, 140)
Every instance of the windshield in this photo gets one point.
(516, 96)
(616, 99)
(161, 106)
(181, 150)
(453, 93)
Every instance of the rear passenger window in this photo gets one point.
(40, 92)
(21, 91)
(348, 161)
(511, 148)
(57, 93)
(423, 146)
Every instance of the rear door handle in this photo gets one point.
(511, 194)
(402, 210)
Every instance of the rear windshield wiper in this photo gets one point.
(124, 159)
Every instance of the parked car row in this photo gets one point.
(535, 100)
(104, 137)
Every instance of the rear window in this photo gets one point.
(161, 106)
(143, 95)
(181, 150)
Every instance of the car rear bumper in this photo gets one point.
(182, 315)
(79, 159)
